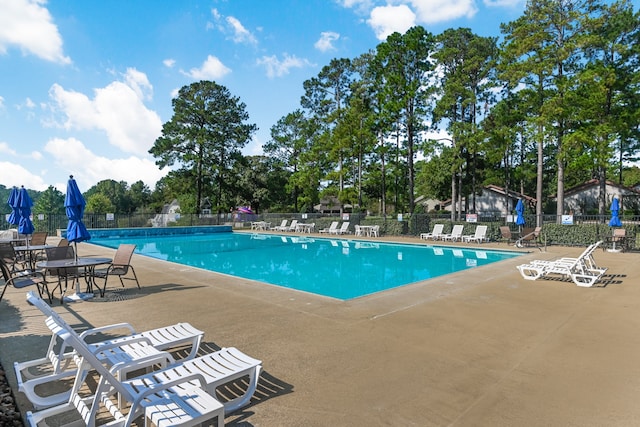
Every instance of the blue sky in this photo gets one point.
(86, 85)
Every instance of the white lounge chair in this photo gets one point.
(281, 227)
(332, 228)
(455, 235)
(210, 371)
(435, 234)
(60, 361)
(479, 236)
(344, 228)
(293, 226)
(582, 270)
(182, 398)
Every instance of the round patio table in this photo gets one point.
(87, 263)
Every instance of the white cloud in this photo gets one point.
(116, 109)
(360, 5)
(89, 168)
(240, 33)
(169, 63)
(139, 82)
(1, 103)
(434, 11)
(27, 25)
(325, 43)
(211, 69)
(6, 149)
(503, 3)
(233, 26)
(278, 68)
(15, 175)
(386, 20)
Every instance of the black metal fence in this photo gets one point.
(582, 230)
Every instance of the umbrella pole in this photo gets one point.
(75, 256)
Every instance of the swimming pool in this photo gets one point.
(336, 268)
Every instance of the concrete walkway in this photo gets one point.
(478, 348)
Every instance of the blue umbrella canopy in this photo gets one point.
(14, 216)
(520, 212)
(74, 204)
(25, 225)
(615, 219)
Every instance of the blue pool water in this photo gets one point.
(336, 268)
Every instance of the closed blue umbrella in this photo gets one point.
(520, 212)
(14, 216)
(76, 231)
(74, 204)
(24, 206)
(615, 219)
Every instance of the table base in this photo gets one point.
(78, 296)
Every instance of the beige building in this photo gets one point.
(583, 199)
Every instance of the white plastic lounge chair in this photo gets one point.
(211, 371)
(435, 234)
(537, 268)
(153, 395)
(455, 235)
(281, 227)
(586, 259)
(59, 361)
(332, 228)
(344, 228)
(293, 226)
(582, 270)
(479, 236)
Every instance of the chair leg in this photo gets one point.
(135, 277)
(4, 289)
(104, 288)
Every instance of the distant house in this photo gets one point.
(429, 204)
(583, 199)
(331, 204)
(170, 213)
(495, 200)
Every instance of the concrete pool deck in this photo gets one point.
(482, 347)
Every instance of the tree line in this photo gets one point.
(552, 103)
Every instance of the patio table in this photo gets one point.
(366, 229)
(304, 228)
(30, 252)
(88, 264)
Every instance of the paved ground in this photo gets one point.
(478, 348)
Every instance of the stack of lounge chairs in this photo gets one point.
(583, 270)
(176, 393)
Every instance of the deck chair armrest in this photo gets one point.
(22, 281)
(155, 388)
(100, 329)
(142, 362)
(31, 386)
(100, 348)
